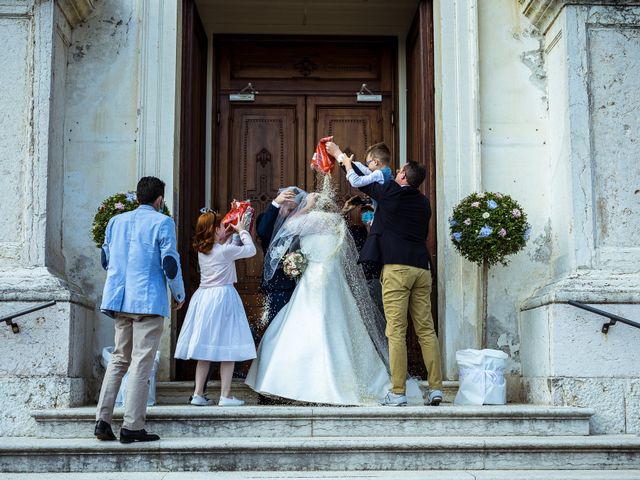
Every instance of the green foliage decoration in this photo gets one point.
(488, 227)
(111, 206)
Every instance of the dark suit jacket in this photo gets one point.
(265, 223)
(400, 226)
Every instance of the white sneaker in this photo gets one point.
(200, 401)
(394, 400)
(230, 402)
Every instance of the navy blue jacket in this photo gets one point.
(265, 223)
(400, 226)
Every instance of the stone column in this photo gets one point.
(43, 365)
(458, 170)
(592, 55)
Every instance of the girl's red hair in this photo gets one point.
(205, 235)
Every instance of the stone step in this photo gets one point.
(299, 421)
(177, 393)
(333, 475)
(605, 452)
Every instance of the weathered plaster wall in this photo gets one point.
(614, 77)
(513, 113)
(55, 179)
(592, 55)
(100, 138)
(16, 79)
(44, 365)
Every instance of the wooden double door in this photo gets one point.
(306, 89)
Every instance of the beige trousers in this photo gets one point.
(137, 339)
(407, 289)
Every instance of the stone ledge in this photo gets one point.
(543, 13)
(76, 11)
(273, 412)
(421, 474)
(326, 454)
(39, 285)
(588, 286)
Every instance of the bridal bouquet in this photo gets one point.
(294, 264)
(110, 207)
(487, 227)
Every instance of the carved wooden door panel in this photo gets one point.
(355, 126)
(260, 151)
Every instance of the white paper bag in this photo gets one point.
(107, 352)
(482, 379)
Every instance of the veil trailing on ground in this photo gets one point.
(318, 213)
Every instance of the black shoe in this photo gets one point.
(103, 431)
(130, 436)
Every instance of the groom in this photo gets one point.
(397, 240)
(279, 288)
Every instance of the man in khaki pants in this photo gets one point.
(397, 240)
(140, 256)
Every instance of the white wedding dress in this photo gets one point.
(317, 349)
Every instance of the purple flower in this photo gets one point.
(516, 213)
(502, 232)
(119, 206)
(452, 222)
(492, 204)
(131, 197)
(485, 231)
(467, 221)
(475, 204)
(457, 236)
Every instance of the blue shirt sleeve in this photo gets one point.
(171, 259)
(104, 254)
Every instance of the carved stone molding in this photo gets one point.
(543, 13)
(75, 11)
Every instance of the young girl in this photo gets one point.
(216, 328)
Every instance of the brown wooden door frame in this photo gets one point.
(420, 125)
(192, 180)
(421, 145)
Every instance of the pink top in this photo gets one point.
(218, 267)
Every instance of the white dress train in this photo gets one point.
(317, 348)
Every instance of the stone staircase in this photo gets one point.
(446, 442)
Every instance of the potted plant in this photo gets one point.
(486, 228)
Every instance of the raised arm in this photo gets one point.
(363, 180)
(247, 249)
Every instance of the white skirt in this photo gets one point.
(216, 327)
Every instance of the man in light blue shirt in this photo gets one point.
(140, 257)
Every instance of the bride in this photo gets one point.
(327, 344)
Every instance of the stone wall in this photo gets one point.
(513, 119)
(46, 364)
(592, 52)
(100, 139)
